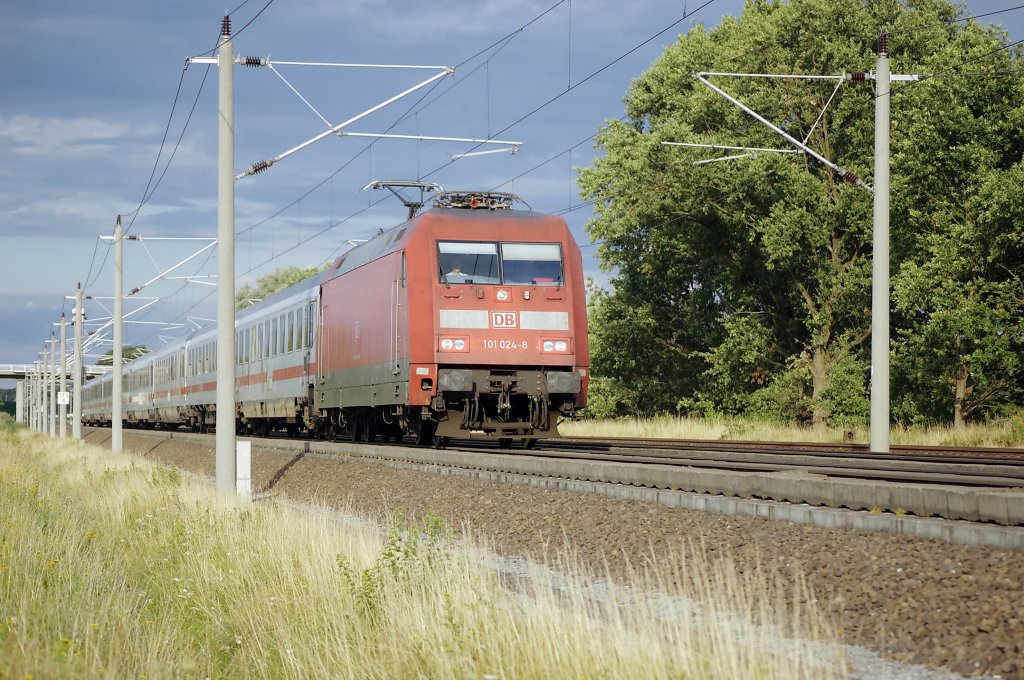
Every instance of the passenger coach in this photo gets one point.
(468, 320)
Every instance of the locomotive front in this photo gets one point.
(509, 338)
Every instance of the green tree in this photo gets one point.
(128, 352)
(276, 280)
(958, 296)
(960, 341)
(758, 269)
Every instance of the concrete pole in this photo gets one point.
(37, 398)
(41, 417)
(76, 398)
(62, 409)
(43, 406)
(117, 405)
(879, 438)
(53, 385)
(19, 401)
(33, 413)
(225, 460)
(42, 393)
(30, 402)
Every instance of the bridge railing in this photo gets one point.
(17, 371)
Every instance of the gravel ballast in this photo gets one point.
(952, 607)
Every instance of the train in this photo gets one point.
(468, 320)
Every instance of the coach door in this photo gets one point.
(310, 340)
(399, 300)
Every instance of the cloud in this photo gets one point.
(46, 134)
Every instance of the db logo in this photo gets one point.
(503, 320)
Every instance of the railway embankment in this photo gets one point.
(911, 599)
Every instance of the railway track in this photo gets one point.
(918, 468)
(851, 450)
(975, 489)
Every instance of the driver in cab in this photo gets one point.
(456, 275)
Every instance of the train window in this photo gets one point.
(532, 263)
(266, 339)
(311, 315)
(288, 334)
(465, 262)
(300, 328)
(273, 340)
(283, 331)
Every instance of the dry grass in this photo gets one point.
(1004, 433)
(113, 567)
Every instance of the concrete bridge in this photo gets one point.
(21, 371)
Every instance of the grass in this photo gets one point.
(113, 567)
(1007, 432)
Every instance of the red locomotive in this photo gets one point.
(468, 320)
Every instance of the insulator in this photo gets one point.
(133, 291)
(252, 62)
(260, 167)
(883, 43)
(225, 26)
(850, 177)
(858, 77)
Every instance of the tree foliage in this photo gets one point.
(744, 285)
(279, 279)
(128, 352)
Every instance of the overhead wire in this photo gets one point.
(584, 80)
(947, 22)
(151, 187)
(156, 163)
(846, 124)
(502, 43)
(244, 26)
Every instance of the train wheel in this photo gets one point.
(530, 443)
(441, 442)
(505, 442)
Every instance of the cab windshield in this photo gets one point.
(538, 264)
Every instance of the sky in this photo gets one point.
(86, 131)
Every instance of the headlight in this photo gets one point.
(555, 346)
(453, 344)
